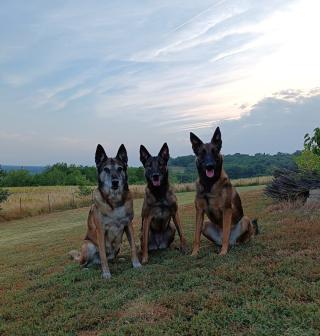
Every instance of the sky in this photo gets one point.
(77, 73)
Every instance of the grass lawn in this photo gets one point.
(270, 286)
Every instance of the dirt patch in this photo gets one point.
(144, 311)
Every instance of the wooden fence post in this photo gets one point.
(20, 205)
(49, 205)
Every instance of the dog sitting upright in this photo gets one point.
(110, 215)
(218, 199)
(159, 206)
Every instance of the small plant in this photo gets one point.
(84, 190)
(4, 195)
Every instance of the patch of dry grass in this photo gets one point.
(31, 201)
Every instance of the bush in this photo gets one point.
(4, 195)
(84, 190)
(308, 161)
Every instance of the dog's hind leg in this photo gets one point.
(213, 232)
(240, 233)
(89, 255)
(248, 229)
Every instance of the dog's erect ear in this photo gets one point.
(100, 155)
(144, 154)
(216, 139)
(164, 152)
(196, 143)
(122, 155)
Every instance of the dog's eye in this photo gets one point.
(107, 170)
(119, 169)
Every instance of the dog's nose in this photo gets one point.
(155, 177)
(115, 184)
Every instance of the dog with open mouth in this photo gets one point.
(159, 206)
(110, 215)
(218, 199)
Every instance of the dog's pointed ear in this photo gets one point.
(144, 154)
(196, 143)
(164, 152)
(216, 139)
(100, 155)
(122, 154)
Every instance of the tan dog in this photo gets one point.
(218, 199)
(159, 205)
(111, 214)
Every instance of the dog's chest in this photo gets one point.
(161, 215)
(116, 220)
(214, 208)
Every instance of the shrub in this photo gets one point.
(4, 195)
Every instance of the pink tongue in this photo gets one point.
(210, 173)
(156, 183)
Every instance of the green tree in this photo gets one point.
(309, 159)
(312, 143)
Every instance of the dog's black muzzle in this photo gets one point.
(156, 177)
(115, 184)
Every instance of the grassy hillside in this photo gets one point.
(270, 286)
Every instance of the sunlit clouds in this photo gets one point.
(74, 74)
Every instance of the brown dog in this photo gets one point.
(159, 206)
(218, 199)
(111, 214)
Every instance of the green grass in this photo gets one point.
(270, 286)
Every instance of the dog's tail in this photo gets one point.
(255, 226)
(75, 255)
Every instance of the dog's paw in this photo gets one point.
(195, 253)
(223, 252)
(106, 275)
(183, 247)
(136, 264)
(144, 260)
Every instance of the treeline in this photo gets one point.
(182, 169)
(236, 165)
(60, 174)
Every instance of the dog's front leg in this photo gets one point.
(227, 217)
(130, 235)
(145, 238)
(177, 223)
(197, 234)
(101, 240)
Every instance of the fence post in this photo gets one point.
(20, 205)
(49, 206)
(74, 204)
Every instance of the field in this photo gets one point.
(31, 201)
(271, 286)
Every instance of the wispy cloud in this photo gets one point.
(91, 70)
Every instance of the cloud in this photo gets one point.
(150, 72)
(275, 124)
